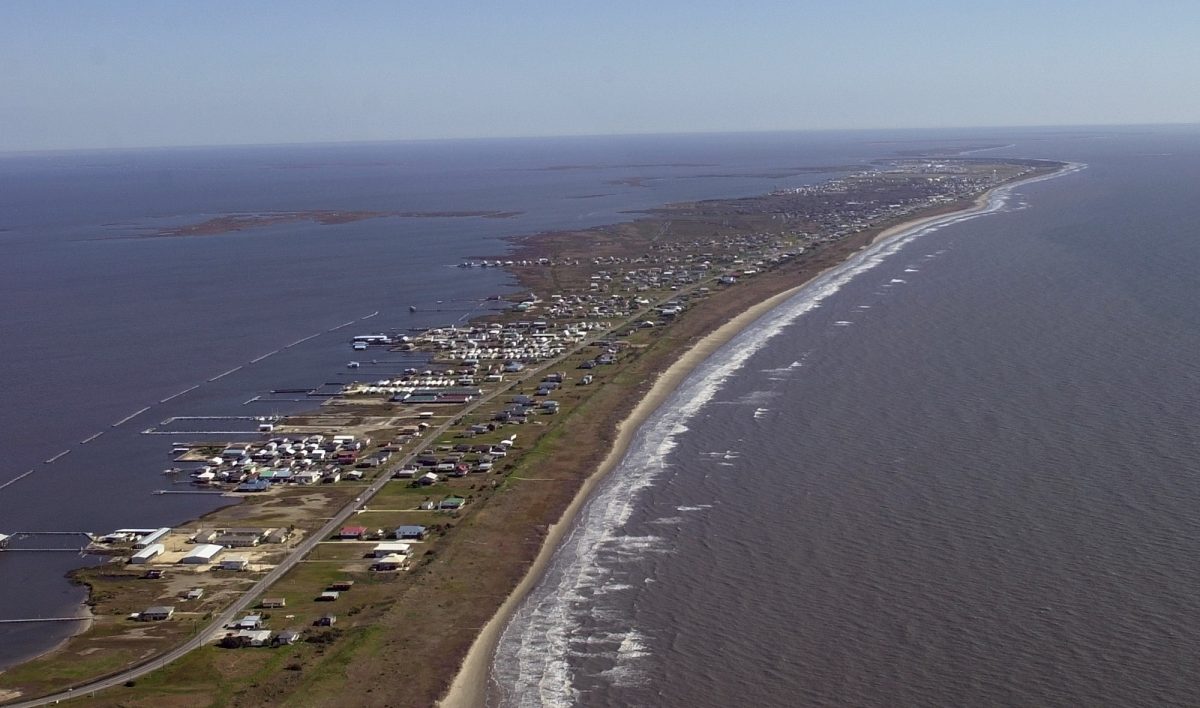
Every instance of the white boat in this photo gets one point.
(352, 365)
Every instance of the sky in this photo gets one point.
(116, 74)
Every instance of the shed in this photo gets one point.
(156, 614)
(147, 553)
(328, 596)
(202, 554)
(287, 636)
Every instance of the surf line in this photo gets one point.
(264, 356)
(334, 329)
(52, 459)
(177, 395)
(85, 441)
(301, 341)
(367, 317)
(130, 417)
(221, 376)
(16, 479)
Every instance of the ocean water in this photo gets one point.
(960, 470)
(106, 332)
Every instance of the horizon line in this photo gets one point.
(561, 136)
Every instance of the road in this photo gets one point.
(310, 542)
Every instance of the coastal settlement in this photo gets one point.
(449, 473)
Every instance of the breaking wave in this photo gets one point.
(571, 614)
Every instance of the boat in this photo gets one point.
(353, 365)
(412, 308)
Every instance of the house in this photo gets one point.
(254, 485)
(410, 532)
(451, 503)
(156, 614)
(328, 596)
(273, 603)
(391, 562)
(194, 594)
(154, 574)
(352, 532)
(202, 554)
(246, 638)
(249, 622)
(341, 585)
(387, 549)
(235, 563)
(326, 621)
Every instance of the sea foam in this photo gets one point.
(532, 665)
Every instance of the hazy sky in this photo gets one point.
(120, 74)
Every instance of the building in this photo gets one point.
(390, 562)
(239, 538)
(249, 622)
(147, 554)
(151, 538)
(352, 532)
(202, 554)
(156, 614)
(287, 636)
(410, 532)
(390, 547)
(326, 621)
(247, 638)
(328, 596)
(273, 603)
(451, 503)
(235, 563)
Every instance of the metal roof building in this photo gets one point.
(202, 554)
(147, 553)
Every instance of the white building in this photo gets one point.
(146, 554)
(202, 554)
(391, 548)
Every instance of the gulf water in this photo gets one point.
(100, 323)
(960, 470)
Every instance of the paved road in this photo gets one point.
(310, 542)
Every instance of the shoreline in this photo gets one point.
(705, 337)
(470, 684)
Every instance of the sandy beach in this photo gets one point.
(470, 685)
(469, 688)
